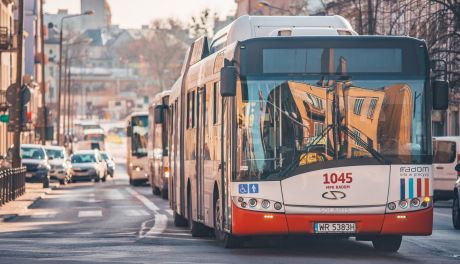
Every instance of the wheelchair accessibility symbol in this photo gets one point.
(248, 188)
(243, 188)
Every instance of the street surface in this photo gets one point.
(114, 223)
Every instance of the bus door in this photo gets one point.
(228, 155)
(200, 130)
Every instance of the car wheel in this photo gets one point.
(456, 212)
(97, 179)
(164, 194)
(46, 182)
(387, 243)
(62, 182)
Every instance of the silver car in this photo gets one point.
(88, 165)
(60, 164)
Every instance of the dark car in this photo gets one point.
(110, 163)
(36, 161)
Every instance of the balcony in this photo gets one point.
(6, 40)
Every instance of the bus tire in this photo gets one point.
(227, 240)
(197, 229)
(456, 212)
(387, 243)
(179, 220)
(155, 190)
(164, 194)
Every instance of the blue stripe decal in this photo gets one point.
(403, 189)
(411, 188)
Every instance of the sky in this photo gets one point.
(134, 13)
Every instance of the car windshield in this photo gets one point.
(105, 156)
(94, 137)
(55, 153)
(289, 122)
(32, 153)
(83, 158)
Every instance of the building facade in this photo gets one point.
(102, 17)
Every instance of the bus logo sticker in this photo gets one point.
(253, 188)
(334, 195)
(243, 188)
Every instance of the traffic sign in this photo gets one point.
(11, 94)
(4, 118)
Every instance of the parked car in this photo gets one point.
(36, 161)
(446, 155)
(110, 163)
(88, 165)
(60, 164)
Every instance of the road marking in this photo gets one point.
(43, 215)
(136, 212)
(161, 220)
(441, 214)
(149, 204)
(93, 213)
(115, 195)
(170, 212)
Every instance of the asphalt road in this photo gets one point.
(114, 223)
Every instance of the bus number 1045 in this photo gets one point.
(337, 178)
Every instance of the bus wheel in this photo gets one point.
(197, 229)
(155, 190)
(164, 194)
(387, 243)
(179, 220)
(456, 212)
(227, 240)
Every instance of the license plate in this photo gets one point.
(29, 175)
(335, 228)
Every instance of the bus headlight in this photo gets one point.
(415, 202)
(265, 204)
(252, 202)
(403, 204)
(391, 206)
(278, 206)
(166, 172)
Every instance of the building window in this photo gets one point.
(358, 106)
(318, 129)
(372, 105)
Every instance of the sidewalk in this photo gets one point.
(34, 192)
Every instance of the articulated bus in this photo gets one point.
(158, 145)
(297, 126)
(137, 138)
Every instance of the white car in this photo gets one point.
(60, 164)
(88, 165)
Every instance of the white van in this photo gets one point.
(446, 155)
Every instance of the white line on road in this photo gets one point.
(161, 220)
(93, 213)
(43, 215)
(136, 212)
(149, 204)
(170, 212)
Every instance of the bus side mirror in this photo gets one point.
(440, 95)
(228, 76)
(457, 168)
(159, 114)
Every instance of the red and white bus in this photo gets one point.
(136, 142)
(158, 145)
(296, 125)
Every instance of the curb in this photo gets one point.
(9, 217)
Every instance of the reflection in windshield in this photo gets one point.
(55, 153)
(140, 135)
(285, 124)
(32, 153)
(83, 158)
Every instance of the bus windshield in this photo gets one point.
(139, 135)
(288, 123)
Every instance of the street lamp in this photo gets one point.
(61, 33)
(263, 3)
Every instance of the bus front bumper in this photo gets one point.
(247, 223)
